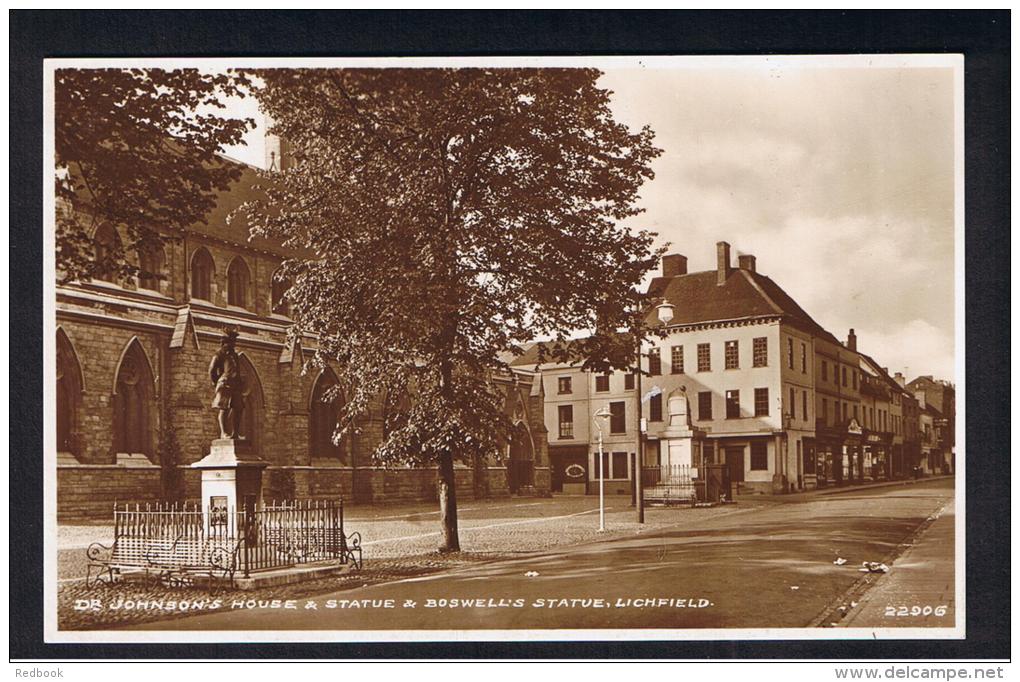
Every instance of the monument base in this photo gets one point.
(231, 476)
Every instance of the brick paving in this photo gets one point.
(919, 581)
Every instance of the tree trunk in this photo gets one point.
(448, 503)
(480, 476)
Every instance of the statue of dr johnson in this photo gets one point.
(225, 372)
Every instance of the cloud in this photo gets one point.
(840, 181)
(914, 348)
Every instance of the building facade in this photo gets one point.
(782, 402)
(133, 393)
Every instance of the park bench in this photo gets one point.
(171, 562)
(186, 558)
(110, 563)
(314, 544)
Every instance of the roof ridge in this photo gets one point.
(761, 291)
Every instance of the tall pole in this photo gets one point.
(602, 488)
(639, 496)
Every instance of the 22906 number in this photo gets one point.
(916, 610)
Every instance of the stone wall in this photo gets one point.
(89, 492)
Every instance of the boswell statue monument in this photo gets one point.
(225, 372)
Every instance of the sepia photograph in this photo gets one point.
(504, 348)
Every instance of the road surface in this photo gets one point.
(767, 567)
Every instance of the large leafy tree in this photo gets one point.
(450, 216)
(137, 148)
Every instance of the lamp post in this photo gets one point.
(602, 413)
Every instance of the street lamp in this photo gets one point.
(665, 311)
(602, 413)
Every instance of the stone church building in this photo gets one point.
(132, 360)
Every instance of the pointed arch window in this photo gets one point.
(107, 247)
(151, 261)
(133, 418)
(254, 403)
(327, 400)
(202, 268)
(238, 279)
(280, 286)
(69, 393)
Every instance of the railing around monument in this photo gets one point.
(261, 537)
(672, 483)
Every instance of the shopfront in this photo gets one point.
(839, 455)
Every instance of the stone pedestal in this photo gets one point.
(680, 443)
(231, 478)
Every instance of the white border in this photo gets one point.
(894, 61)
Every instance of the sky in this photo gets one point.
(839, 180)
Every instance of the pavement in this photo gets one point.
(500, 527)
(919, 590)
(777, 567)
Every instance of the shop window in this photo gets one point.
(759, 456)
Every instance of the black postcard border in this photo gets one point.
(982, 36)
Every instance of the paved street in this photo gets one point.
(921, 591)
(772, 566)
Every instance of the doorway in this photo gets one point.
(735, 463)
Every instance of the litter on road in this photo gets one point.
(840, 561)
(873, 567)
(531, 574)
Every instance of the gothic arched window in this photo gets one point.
(254, 401)
(280, 286)
(150, 265)
(202, 269)
(69, 389)
(237, 283)
(323, 414)
(107, 247)
(133, 426)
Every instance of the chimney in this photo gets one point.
(900, 379)
(674, 264)
(851, 341)
(747, 262)
(722, 250)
